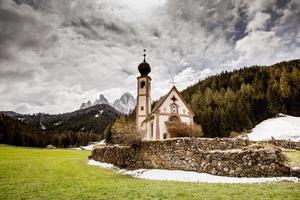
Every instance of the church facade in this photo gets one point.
(172, 107)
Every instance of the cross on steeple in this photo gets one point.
(172, 82)
(144, 55)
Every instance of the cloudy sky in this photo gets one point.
(56, 54)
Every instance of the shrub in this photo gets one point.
(123, 132)
(179, 129)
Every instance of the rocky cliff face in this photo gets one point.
(101, 100)
(125, 104)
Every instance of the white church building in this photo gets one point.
(171, 107)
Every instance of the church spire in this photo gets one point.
(144, 68)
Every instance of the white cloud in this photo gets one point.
(258, 22)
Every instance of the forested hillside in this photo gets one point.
(62, 130)
(238, 100)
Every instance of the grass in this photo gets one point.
(293, 156)
(32, 173)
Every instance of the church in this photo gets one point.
(170, 108)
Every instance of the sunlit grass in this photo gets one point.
(31, 173)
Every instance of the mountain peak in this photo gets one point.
(125, 104)
(102, 99)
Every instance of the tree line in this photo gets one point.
(17, 133)
(63, 130)
(238, 100)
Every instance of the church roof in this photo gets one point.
(163, 99)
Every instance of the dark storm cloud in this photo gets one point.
(43, 5)
(56, 54)
(127, 71)
(230, 18)
(91, 28)
(19, 30)
(84, 28)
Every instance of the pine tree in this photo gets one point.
(285, 87)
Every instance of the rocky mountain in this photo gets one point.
(83, 106)
(125, 104)
(101, 100)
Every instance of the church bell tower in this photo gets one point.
(143, 108)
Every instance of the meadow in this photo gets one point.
(33, 173)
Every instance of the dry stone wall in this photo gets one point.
(226, 157)
(286, 144)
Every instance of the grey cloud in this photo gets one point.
(19, 30)
(43, 5)
(17, 76)
(57, 53)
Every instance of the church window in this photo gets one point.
(151, 130)
(174, 108)
(142, 108)
(143, 84)
(165, 135)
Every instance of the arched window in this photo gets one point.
(143, 84)
(174, 108)
(165, 136)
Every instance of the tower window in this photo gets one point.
(142, 108)
(143, 83)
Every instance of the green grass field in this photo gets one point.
(32, 173)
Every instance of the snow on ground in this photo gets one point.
(90, 146)
(43, 127)
(187, 176)
(284, 127)
(100, 164)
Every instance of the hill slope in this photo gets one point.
(238, 100)
(74, 128)
(281, 127)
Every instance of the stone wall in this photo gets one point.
(286, 144)
(226, 157)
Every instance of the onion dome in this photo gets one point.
(144, 68)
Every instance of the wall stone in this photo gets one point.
(218, 156)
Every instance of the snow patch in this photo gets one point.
(21, 119)
(284, 127)
(187, 176)
(99, 164)
(96, 115)
(43, 127)
(57, 123)
(90, 146)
